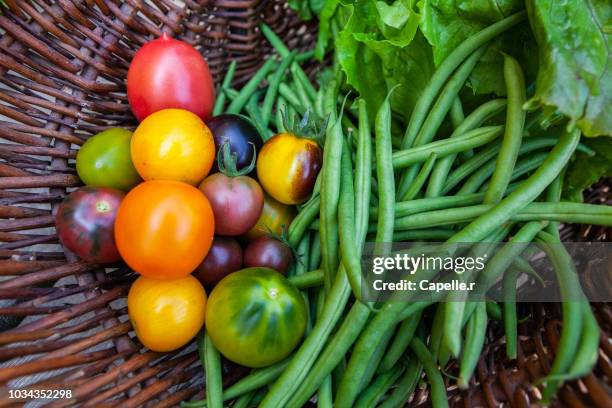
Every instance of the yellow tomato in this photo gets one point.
(173, 144)
(166, 314)
(287, 167)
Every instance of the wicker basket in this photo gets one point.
(63, 66)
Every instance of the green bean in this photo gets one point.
(513, 134)
(245, 93)
(440, 234)
(333, 353)
(440, 109)
(281, 106)
(473, 120)
(456, 113)
(509, 309)
(475, 182)
(493, 310)
(363, 172)
(330, 191)
(437, 331)
(488, 153)
(562, 212)
(525, 166)
(308, 279)
(474, 341)
(455, 305)
(439, 398)
(315, 252)
(227, 82)
(419, 180)
(297, 87)
(384, 173)
(324, 396)
(405, 386)
(569, 287)
(359, 371)
(245, 400)
(402, 339)
(446, 68)
(214, 385)
(252, 109)
(346, 222)
(524, 194)
(404, 208)
(231, 93)
(268, 103)
(303, 359)
(302, 79)
(588, 349)
(302, 221)
(291, 97)
(442, 148)
(508, 255)
(370, 397)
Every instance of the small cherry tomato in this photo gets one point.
(168, 73)
(173, 144)
(85, 223)
(255, 317)
(243, 138)
(268, 252)
(224, 257)
(287, 167)
(236, 202)
(166, 314)
(104, 160)
(274, 216)
(164, 229)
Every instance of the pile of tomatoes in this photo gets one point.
(178, 199)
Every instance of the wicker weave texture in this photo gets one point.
(63, 66)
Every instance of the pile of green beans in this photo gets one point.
(494, 177)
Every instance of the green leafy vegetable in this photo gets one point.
(575, 75)
(380, 47)
(586, 170)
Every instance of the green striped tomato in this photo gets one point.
(255, 317)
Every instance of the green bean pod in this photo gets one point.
(401, 341)
(405, 386)
(245, 93)
(474, 342)
(370, 397)
(227, 82)
(346, 222)
(271, 93)
(439, 399)
(509, 310)
(330, 191)
(527, 192)
(214, 385)
(515, 120)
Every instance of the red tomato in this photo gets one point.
(224, 257)
(236, 202)
(85, 223)
(164, 229)
(168, 73)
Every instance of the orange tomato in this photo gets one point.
(164, 229)
(173, 144)
(166, 314)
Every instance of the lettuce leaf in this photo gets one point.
(586, 170)
(380, 47)
(575, 74)
(447, 23)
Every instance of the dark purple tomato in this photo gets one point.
(268, 252)
(85, 223)
(224, 257)
(236, 202)
(241, 134)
